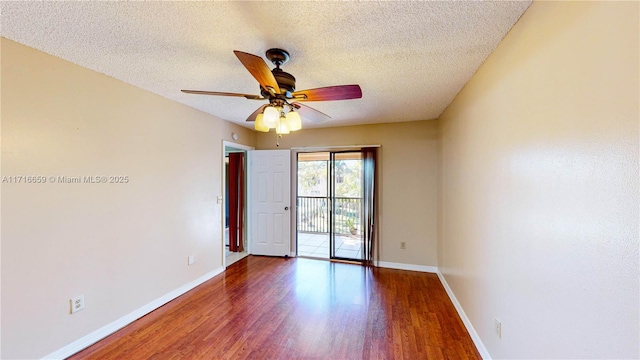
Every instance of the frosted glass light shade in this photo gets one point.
(259, 124)
(271, 116)
(282, 128)
(293, 121)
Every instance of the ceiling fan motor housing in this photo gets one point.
(286, 82)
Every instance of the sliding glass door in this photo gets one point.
(345, 188)
(313, 204)
(330, 222)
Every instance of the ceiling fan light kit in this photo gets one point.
(279, 87)
(294, 122)
(282, 128)
(259, 124)
(271, 116)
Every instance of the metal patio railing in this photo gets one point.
(313, 214)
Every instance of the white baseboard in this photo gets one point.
(467, 323)
(411, 267)
(109, 329)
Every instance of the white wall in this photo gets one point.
(121, 245)
(539, 186)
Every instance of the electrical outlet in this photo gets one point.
(403, 245)
(191, 260)
(498, 328)
(77, 304)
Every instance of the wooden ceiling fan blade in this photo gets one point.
(310, 113)
(253, 116)
(259, 69)
(340, 92)
(217, 93)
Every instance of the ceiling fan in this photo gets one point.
(279, 88)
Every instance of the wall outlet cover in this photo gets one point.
(77, 304)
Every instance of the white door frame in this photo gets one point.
(246, 148)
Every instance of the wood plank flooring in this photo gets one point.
(275, 308)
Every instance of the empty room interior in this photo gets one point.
(480, 159)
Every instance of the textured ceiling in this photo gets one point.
(410, 58)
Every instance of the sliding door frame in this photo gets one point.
(294, 189)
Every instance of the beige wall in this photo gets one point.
(408, 163)
(538, 218)
(121, 245)
(539, 215)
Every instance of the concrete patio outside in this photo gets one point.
(317, 245)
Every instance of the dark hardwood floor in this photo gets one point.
(275, 308)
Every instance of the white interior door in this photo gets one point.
(270, 202)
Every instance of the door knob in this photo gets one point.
(286, 208)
